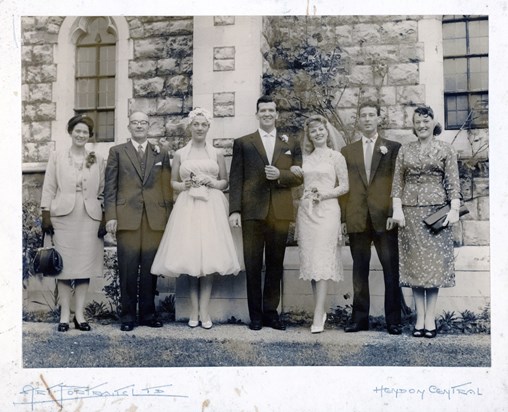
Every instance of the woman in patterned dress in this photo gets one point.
(318, 220)
(426, 178)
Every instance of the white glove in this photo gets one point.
(453, 215)
(398, 214)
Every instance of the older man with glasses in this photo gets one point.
(137, 202)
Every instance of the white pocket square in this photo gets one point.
(158, 164)
(288, 152)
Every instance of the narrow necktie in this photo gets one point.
(368, 157)
(141, 154)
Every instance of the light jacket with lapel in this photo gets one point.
(59, 188)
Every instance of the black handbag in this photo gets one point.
(436, 219)
(47, 260)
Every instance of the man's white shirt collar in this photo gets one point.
(263, 134)
(373, 138)
(136, 144)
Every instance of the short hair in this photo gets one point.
(370, 103)
(427, 111)
(80, 118)
(199, 111)
(265, 99)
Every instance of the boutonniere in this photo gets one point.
(383, 150)
(90, 159)
(284, 138)
(156, 149)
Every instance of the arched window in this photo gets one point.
(95, 68)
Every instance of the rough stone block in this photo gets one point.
(349, 98)
(42, 54)
(458, 237)
(385, 95)
(480, 186)
(361, 76)
(26, 54)
(148, 87)
(142, 68)
(177, 85)
(400, 32)
(223, 53)
(37, 152)
(176, 127)
(39, 112)
(476, 233)
(223, 65)
(472, 206)
(27, 23)
(158, 28)
(25, 92)
(224, 104)
(366, 34)
(41, 74)
(186, 65)
(411, 53)
(182, 26)
(180, 46)
(40, 92)
(187, 103)
(484, 208)
(26, 131)
(157, 128)
(149, 48)
(167, 66)
(411, 95)
(41, 131)
(39, 37)
(145, 105)
(387, 54)
(169, 105)
(223, 20)
(344, 35)
(403, 74)
(137, 32)
(395, 117)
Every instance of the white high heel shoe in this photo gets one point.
(318, 328)
(207, 324)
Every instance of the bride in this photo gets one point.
(318, 220)
(198, 240)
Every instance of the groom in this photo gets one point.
(366, 217)
(137, 202)
(260, 201)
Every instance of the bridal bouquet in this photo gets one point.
(197, 190)
(313, 196)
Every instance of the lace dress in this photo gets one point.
(198, 239)
(318, 222)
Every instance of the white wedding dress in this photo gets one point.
(198, 240)
(318, 223)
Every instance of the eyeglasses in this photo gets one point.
(139, 122)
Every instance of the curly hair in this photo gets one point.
(426, 111)
(307, 145)
(199, 111)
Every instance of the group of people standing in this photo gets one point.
(374, 190)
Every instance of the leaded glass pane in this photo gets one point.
(86, 61)
(106, 93)
(107, 63)
(85, 94)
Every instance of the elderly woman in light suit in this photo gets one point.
(72, 214)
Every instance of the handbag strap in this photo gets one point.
(44, 236)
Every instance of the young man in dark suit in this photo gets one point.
(137, 200)
(260, 202)
(367, 218)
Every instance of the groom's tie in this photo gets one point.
(368, 157)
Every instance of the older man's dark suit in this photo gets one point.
(365, 210)
(141, 201)
(266, 208)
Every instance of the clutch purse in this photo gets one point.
(47, 260)
(436, 219)
(199, 193)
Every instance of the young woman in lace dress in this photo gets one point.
(318, 220)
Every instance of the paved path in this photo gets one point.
(177, 345)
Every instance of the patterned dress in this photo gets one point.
(425, 180)
(318, 223)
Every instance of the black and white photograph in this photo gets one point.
(279, 207)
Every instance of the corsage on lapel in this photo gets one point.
(90, 160)
(383, 150)
(284, 138)
(156, 149)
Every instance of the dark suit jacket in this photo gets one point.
(364, 198)
(250, 192)
(126, 191)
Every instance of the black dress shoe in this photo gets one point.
(127, 326)
(430, 333)
(82, 326)
(256, 325)
(356, 327)
(63, 327)
(394, 329)
(275, 324)
(152, 323)
(418, 333)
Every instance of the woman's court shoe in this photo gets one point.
(430, 333)
(193, 323)
(418, 333)
(318, 328)
(82, 326)
(207, 325)
(63, 327)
